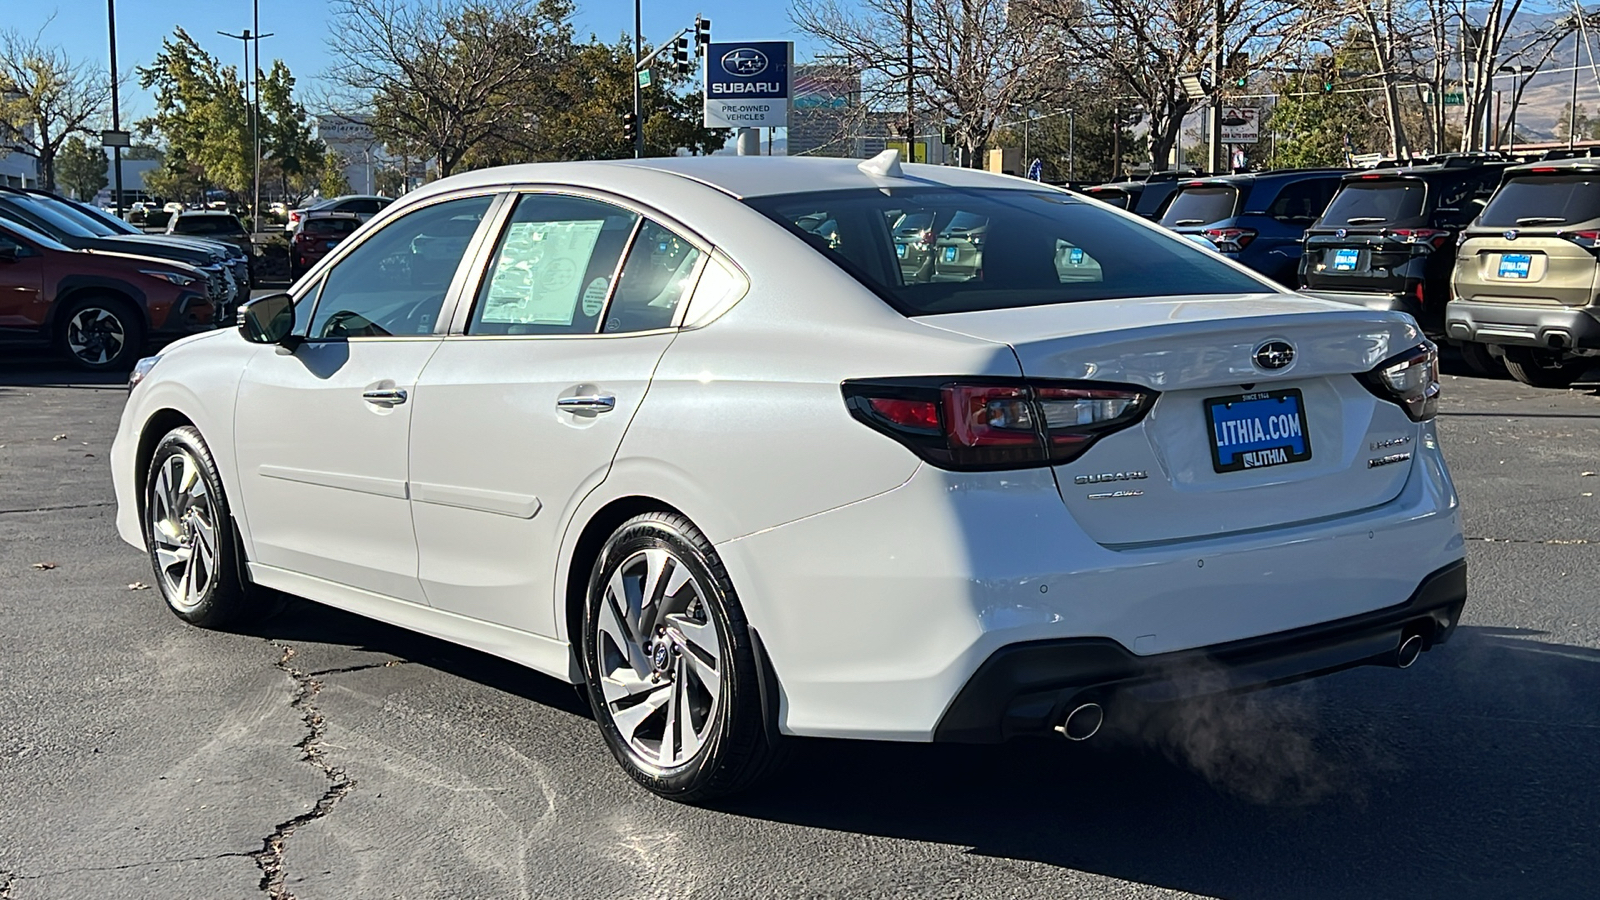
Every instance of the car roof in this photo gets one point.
(1556, 166)
(741, 176)
(204, 213)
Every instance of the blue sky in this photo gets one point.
(300, 28)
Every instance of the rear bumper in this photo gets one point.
(1029, 688)
(1522, 326)
(1380, 301)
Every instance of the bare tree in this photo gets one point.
(1145, 47)
(45, 98)
(970, 62)
(440, 77)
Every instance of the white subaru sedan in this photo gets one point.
(755, 448)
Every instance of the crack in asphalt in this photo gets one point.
(64, 506)
(1558, 542)
(361, 668)
(8, 878)
(270, 857)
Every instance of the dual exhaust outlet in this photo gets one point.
(1084, 720)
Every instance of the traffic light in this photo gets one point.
(702, 33)
(680, 56)
(945, 135)
(630, 126)
(1239, 64)
(1241, 81)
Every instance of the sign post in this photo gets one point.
(747, 84)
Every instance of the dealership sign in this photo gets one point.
(747, 84)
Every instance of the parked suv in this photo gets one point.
(1387, 239)
(240, 257)
(69, 226)
(97, 308)
(318, 235)
(220, 226)
(1525, 274)
(1257, 219)
(1143, 196)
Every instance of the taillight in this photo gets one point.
(1433, 237)
(1230, 240)
(993, 423)
(1588, 240)
(1410, 379)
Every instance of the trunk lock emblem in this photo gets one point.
(1274, 355)
(1340, 233)
(1511, 235)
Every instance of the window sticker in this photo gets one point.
(539, 275)
(594, 297)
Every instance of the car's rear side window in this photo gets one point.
(1201, 205)
(1537, 200)
(1300, 202)
(1387, 201)
(995, 249)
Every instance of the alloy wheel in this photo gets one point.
(183, 529)
(95, 335)
(659, 659)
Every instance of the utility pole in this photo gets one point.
(1215, 114)
(116, 110)
(1572, 114)
(911, 114)
(638, 92)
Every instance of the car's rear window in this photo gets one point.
(208, 225)
(996, 249)
(1201, 205)
(1538, 200)
(330, 226)
(1381, 202)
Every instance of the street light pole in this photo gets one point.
(255, 112)
(1215, 114)
(116, 110)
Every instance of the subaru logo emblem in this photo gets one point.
(1274, 355)
(1340, 233)
(745, 62)
(1511, 235)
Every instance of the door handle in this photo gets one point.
(391, 397)
(598, 403)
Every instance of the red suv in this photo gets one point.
(318, 234)
(96, 308)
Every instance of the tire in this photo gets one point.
(1482, 363)
(190, 537)
(665, 670)
(1543, 368)
(100, 334)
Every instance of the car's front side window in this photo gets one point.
(552, 270)
(395, 282)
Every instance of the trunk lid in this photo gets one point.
(1532, 246)
(1363, 241)
(1159, 480)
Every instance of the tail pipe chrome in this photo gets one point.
(1410, 647)
(1083, 722)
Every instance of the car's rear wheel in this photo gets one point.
(672, 675)
(100, 334)
(190, 536)
(1482, 363)
(1544, 368)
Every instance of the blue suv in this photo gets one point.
(1257, 219)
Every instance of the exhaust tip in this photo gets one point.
(1083, 722)
(1410, 648)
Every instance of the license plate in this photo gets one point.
(949, 254)
(1346, 260)
(1515, 265)
(1257, 430)
(900, 250)
(332, 244)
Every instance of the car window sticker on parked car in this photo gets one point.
(538, 277)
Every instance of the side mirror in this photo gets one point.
(268, 320)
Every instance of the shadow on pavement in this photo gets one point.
(1470, 775)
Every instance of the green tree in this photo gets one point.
(201, 114)
(389, 182)
(331, 181)
(292, 155)
(81, 168)
(45, 98)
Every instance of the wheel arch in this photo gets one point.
(77, 288)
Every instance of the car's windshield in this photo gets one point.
(1201, 205)
(1033, 248)
(69, 211)
(44, 218)
(1378, 202)
(1544, 200)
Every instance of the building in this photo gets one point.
(828, 118)
(16, 169)
(351, 137)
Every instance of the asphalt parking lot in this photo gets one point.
(325, 756)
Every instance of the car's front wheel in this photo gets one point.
(99, 333)
(1544, 368)
(672, 675)
(189, 532)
